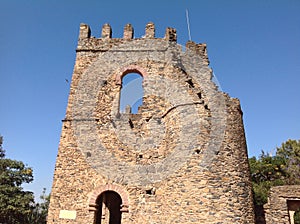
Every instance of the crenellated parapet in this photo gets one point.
(87, 42)
(104, 43)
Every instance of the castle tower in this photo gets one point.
(181, 158)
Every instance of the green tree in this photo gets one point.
(281, 169)
(289, 152)
(15, 203)
(39, 212)
(268, 171)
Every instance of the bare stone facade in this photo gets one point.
(181, 159)
(283, 202)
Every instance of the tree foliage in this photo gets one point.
(39, 212)
(289, 152)
(266, 171)
(281, 169)
(15, 203)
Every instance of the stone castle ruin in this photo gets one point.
(182, 158)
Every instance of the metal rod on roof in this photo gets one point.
(188, 23)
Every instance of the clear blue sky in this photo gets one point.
(253, 47)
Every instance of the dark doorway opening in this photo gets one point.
(109, 208)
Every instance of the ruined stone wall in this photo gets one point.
(282, 203)
(181, 159)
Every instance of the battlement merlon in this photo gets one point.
(199, 49)
(88, 43)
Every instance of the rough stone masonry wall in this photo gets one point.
(181, 159)
(282, 203)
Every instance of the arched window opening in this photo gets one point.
(109, 208)
(132, 92)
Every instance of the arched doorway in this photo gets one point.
(109, 208)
